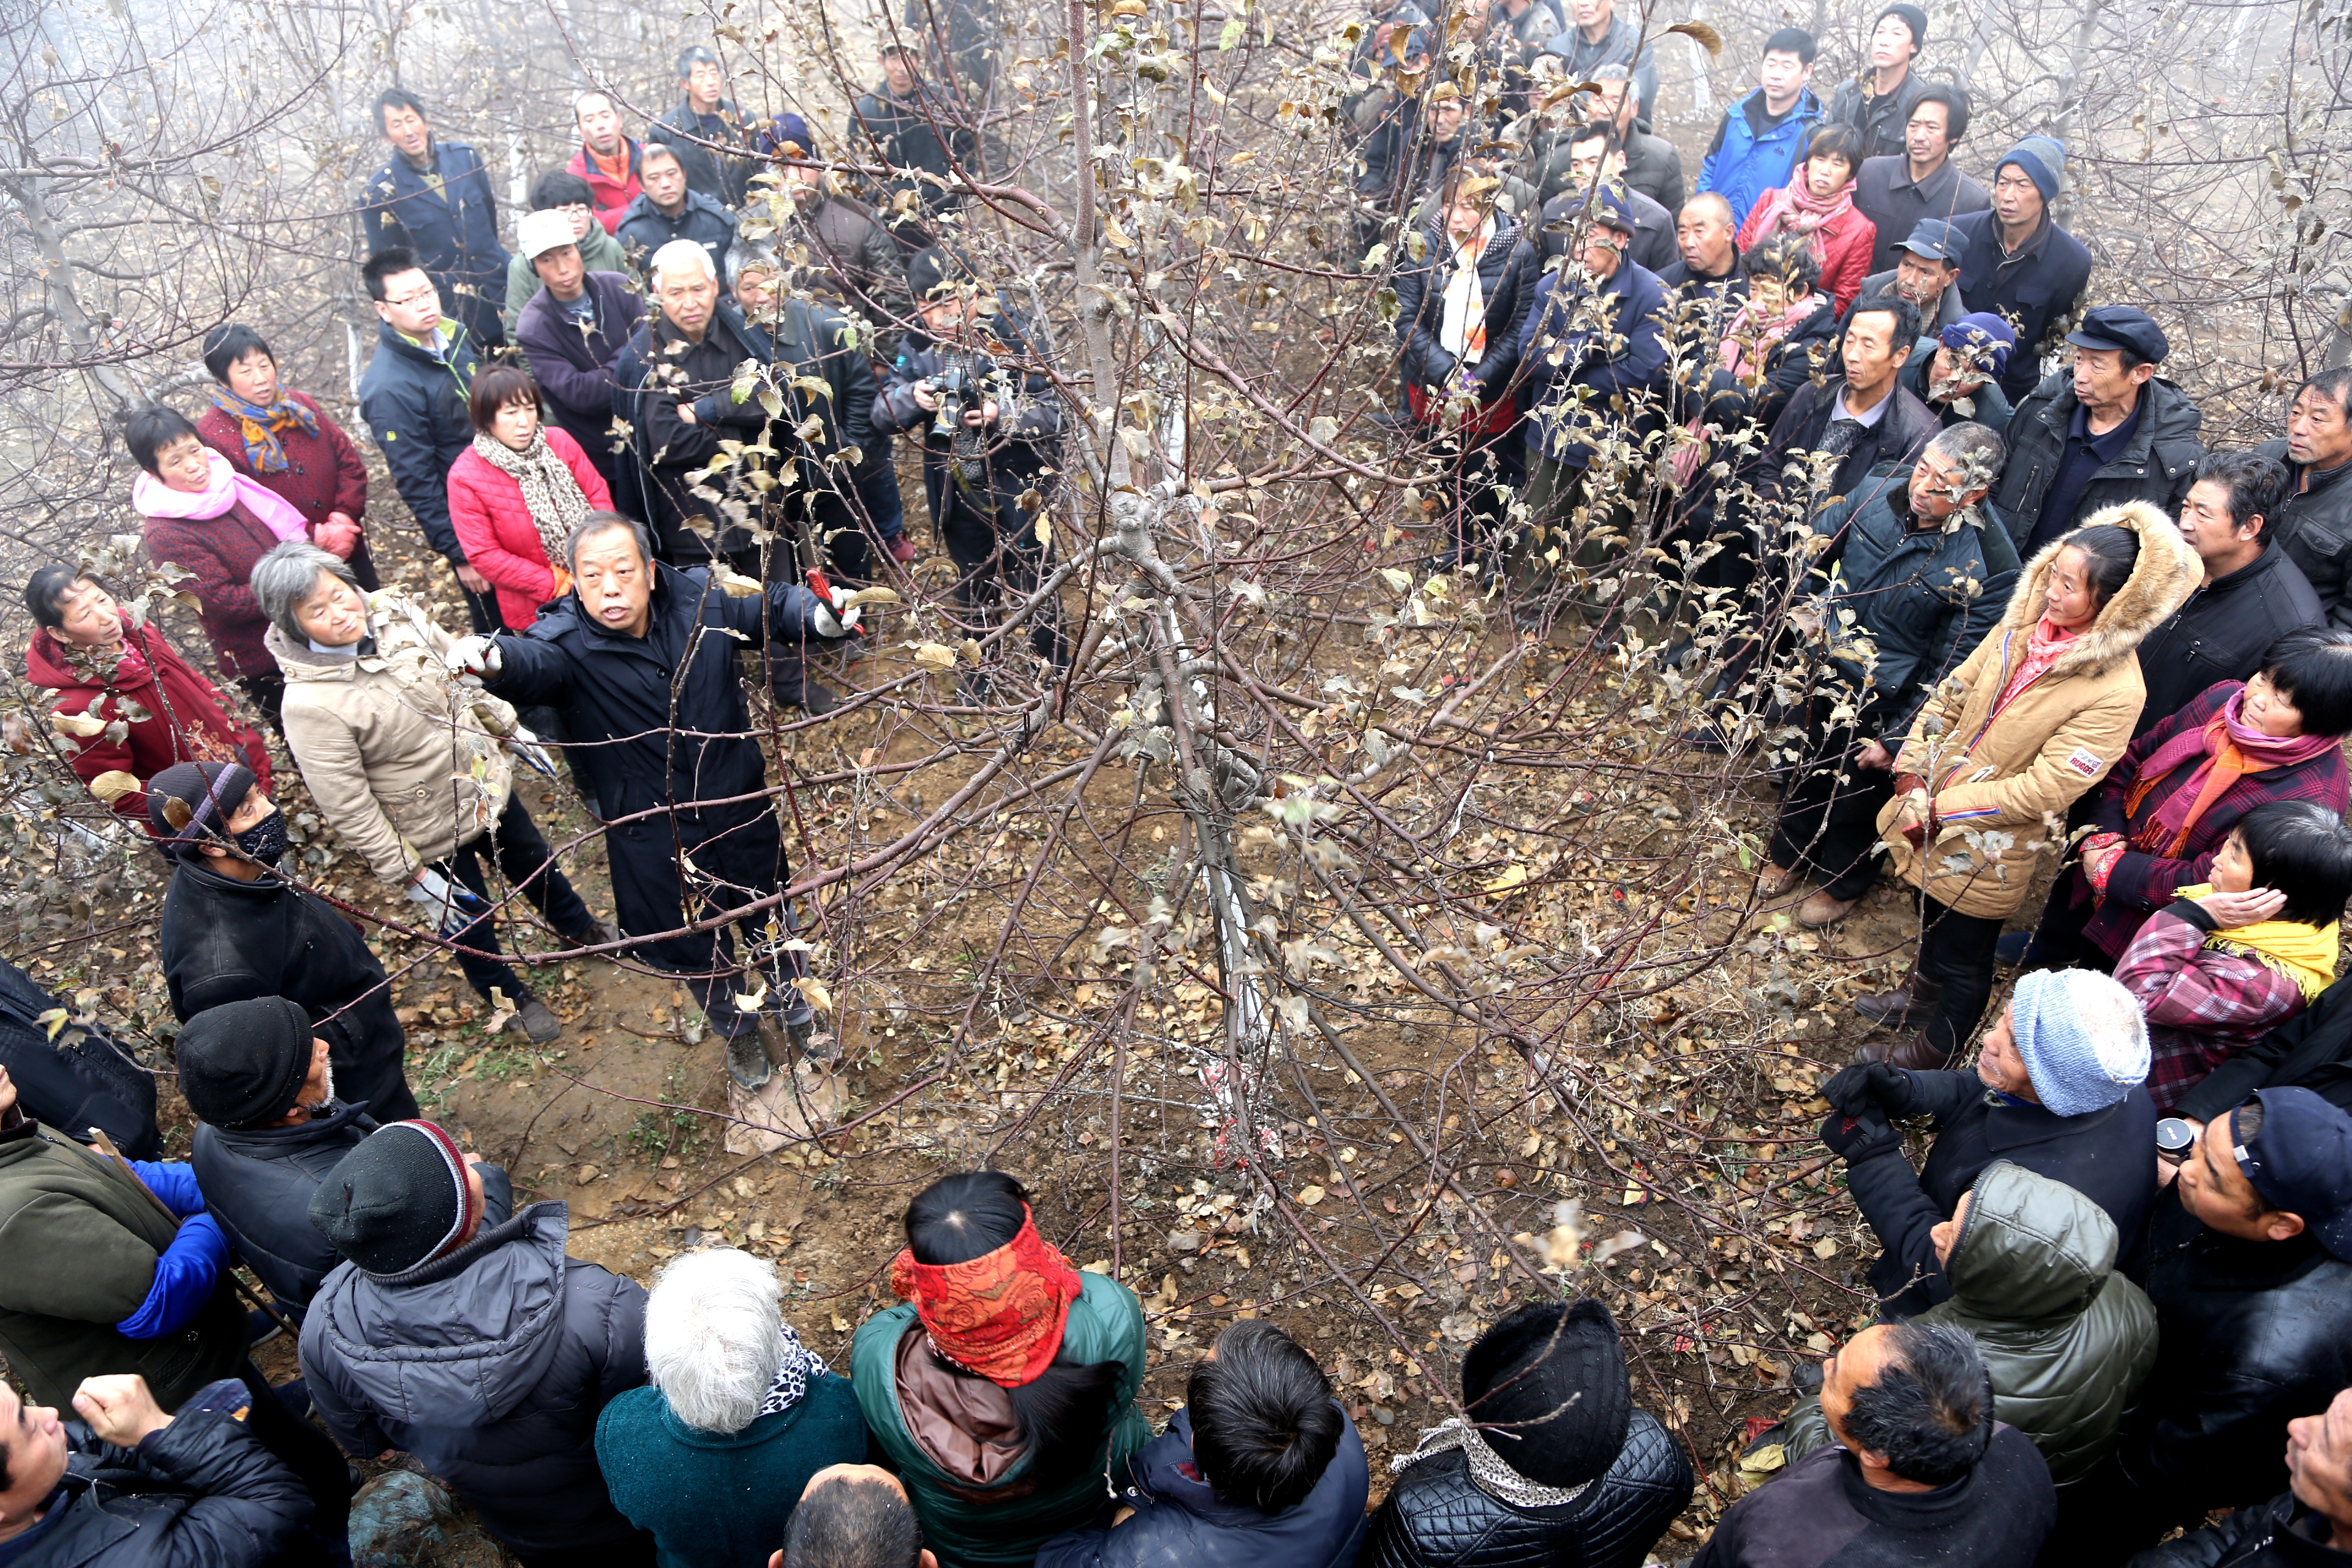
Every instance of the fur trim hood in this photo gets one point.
(2161, 580)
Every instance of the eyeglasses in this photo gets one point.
(410, 302)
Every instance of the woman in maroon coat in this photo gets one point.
(204, 516)
(517, 492)
(283, 440)
(2165, 809)
(106, 667)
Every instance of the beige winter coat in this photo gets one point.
(2002, 784)
(405, 763)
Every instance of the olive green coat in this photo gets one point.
(1105, 1324)
(78, 1241)
(2067, 1340)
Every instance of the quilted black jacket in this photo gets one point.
(1437, 1515)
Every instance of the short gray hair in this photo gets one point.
(715, 1337)
(684, 255)
(750, 256)
(1974, 448)
(287, 576)
(597, 523)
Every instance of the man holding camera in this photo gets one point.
(974, 388)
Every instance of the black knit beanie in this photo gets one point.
(932, 267)
(206, 795)
(1547, 1386)
(242, 1063)
(1913, 18)
(398, 1200)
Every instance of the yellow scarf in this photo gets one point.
(2304, 955)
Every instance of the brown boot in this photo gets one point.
(1907, 1005)
(1823, 908)
(1913, 1052)
(1776, 881)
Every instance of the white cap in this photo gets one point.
(541, 232)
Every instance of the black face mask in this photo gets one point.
(266, 841)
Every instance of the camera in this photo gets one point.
(2174, 1139)
(952, 387)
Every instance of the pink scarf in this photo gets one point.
(154, 498)
(2204, 746)
(1796, 209)
(2041, 650)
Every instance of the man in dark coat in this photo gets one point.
(651, 686)
(2058, 1089)
(1262, 1466)
(707, 131)
(1596, 155)
(666, 210)
(1898, 192)
(921, 127)
(1925, 271)
(269, 1129)
(477, 1347)
(414, 399)
(2312, 1050)
(1920, 1473)
(2251, 1273)
(80, 1079)
(1923, 585)
(1864, 417)
(136, 1487)
(1707, 246)
(854, 259)
(1596, 37)
(234, 930)
(2253, 595)
(433, 199)
(2315, 521)
(2106, 432)
(2309, 1525)
(1652, 165)
(574, 330)
(2018, 263)
(987, 480)
(1877, 100)
(1585, 1474)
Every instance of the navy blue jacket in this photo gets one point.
(1925, 598)
(1745, 162)
(258, 1184)
(453, 231)
(1989, 405)
(1620, 361)
(645, 228)
(81, 1079)
(1507, 275)
(2035, 290)
(575, 368)
(415, 405)
(1180, 1522)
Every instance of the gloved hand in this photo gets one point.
(525, 745)
(1855, 1139)
(830, 617)
(450, 906)
(1870, 1085)
(475, 659)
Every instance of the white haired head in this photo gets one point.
(680, 256)
(715, 1336)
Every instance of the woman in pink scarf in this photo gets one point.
(1818, 202)
(208, 518)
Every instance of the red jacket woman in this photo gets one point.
(105, 666)
(282, 440)
(1818, 202)
(517, 492)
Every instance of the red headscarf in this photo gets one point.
(1000, 1315)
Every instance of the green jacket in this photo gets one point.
(2068, 1341)
(78, 1240)
(600, 252)
(1105, 1324)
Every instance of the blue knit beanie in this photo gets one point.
(2043, 159)
(2083, 1038)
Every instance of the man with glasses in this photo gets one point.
(414, 399)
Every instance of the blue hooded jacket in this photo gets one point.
(1745, 162)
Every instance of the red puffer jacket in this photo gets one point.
(170, 713)
(494, 528)
(1843, 245)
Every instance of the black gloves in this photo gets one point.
(1870, 1085)
(1855, 1139)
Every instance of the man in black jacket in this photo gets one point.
(80, 1079)
(707, 131)
(667, 209)
(1595, 155)
(920, 128)
(1877, 100)
(2019, 263)
(1861, 418)
(2058, 1090)
(2108, 431)
(1901, 190)
(2309, 1525)
(641, 660)
(2253, 595)
(433, 201)
(1652, 167)
(2251, 1273)
(574, 330)
(138, 1488)
(2315, 521)
(234, 930)
(2312, 1050)
(414, 399)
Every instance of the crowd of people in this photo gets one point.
(2047, 630)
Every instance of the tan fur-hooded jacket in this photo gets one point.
(405, 763)
(2002, 784)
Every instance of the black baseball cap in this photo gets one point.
(2124, 327)
(1933, 240)
(2300, 1161)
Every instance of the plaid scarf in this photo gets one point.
(550, 493)
(259, 423)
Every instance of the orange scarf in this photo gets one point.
(999, 1316)
(2228, 765)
